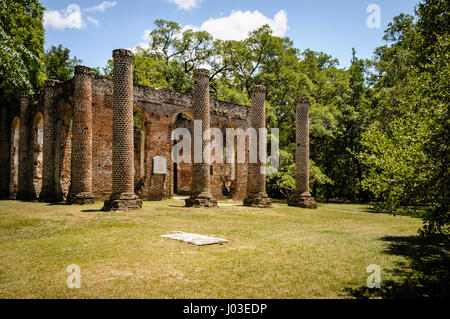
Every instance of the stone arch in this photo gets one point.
(182, 115)
(182, 172)
(38, 141)
(63, 153)
(14, 156)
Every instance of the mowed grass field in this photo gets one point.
(283, 252)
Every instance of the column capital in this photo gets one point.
(303, 100)
(24, 95)
(51, 83)
(200, 73)
(80, 69)
(258, 88)
(122, 54)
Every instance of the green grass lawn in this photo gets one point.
(283, 252)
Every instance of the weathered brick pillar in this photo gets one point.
(123, 196)
(256, 178)
(201, 194)
(25, 156)
(301, 196)
(4, 151)
(81, 171)
(48, 192)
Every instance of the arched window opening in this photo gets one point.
(228, 170)
(38, 140)
(14, 156)
(182, 175)
(139, 148)
(63, 154)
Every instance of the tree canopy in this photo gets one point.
(406, 146)
(21, 47)
(58, 63)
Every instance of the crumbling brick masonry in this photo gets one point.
(80, 111)
(93, 149)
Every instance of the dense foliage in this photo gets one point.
(406, 147)
(24, 66)
(58, 63)
(21, 47)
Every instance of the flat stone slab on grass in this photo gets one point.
(195, 239)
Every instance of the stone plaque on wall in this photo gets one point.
(159, 165)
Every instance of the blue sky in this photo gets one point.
(91, 29)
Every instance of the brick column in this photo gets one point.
(301, 196)
(123, 196)
(81, 170)
(256, 178)
(201, 194)
(48, 192)
(25, 158)
(5, 150)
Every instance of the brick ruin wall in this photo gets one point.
(158, 109)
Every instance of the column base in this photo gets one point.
(260, 200)
(303, 200)
(201, 200)
(122, 202)
(81, 199)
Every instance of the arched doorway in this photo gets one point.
(63, 154)
(38, 140)
(182, 173)
(139, 149)
(14, 156)
(228, 167)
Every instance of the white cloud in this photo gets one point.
(186, 4)
(144, 45)
(72, 17)
(146, 35)
(234, 27)
(101, 7)
(93, 20)
(239, 23)
(67, 18)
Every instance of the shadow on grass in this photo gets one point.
(425, 275)
(404, 211)
(58, 204)
(92, 210)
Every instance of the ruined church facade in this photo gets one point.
(47, 140)
(94, 138)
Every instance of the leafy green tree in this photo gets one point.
(58, 64)
(172, 54)
(21, 47)
(148, 69)
(406, 148)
